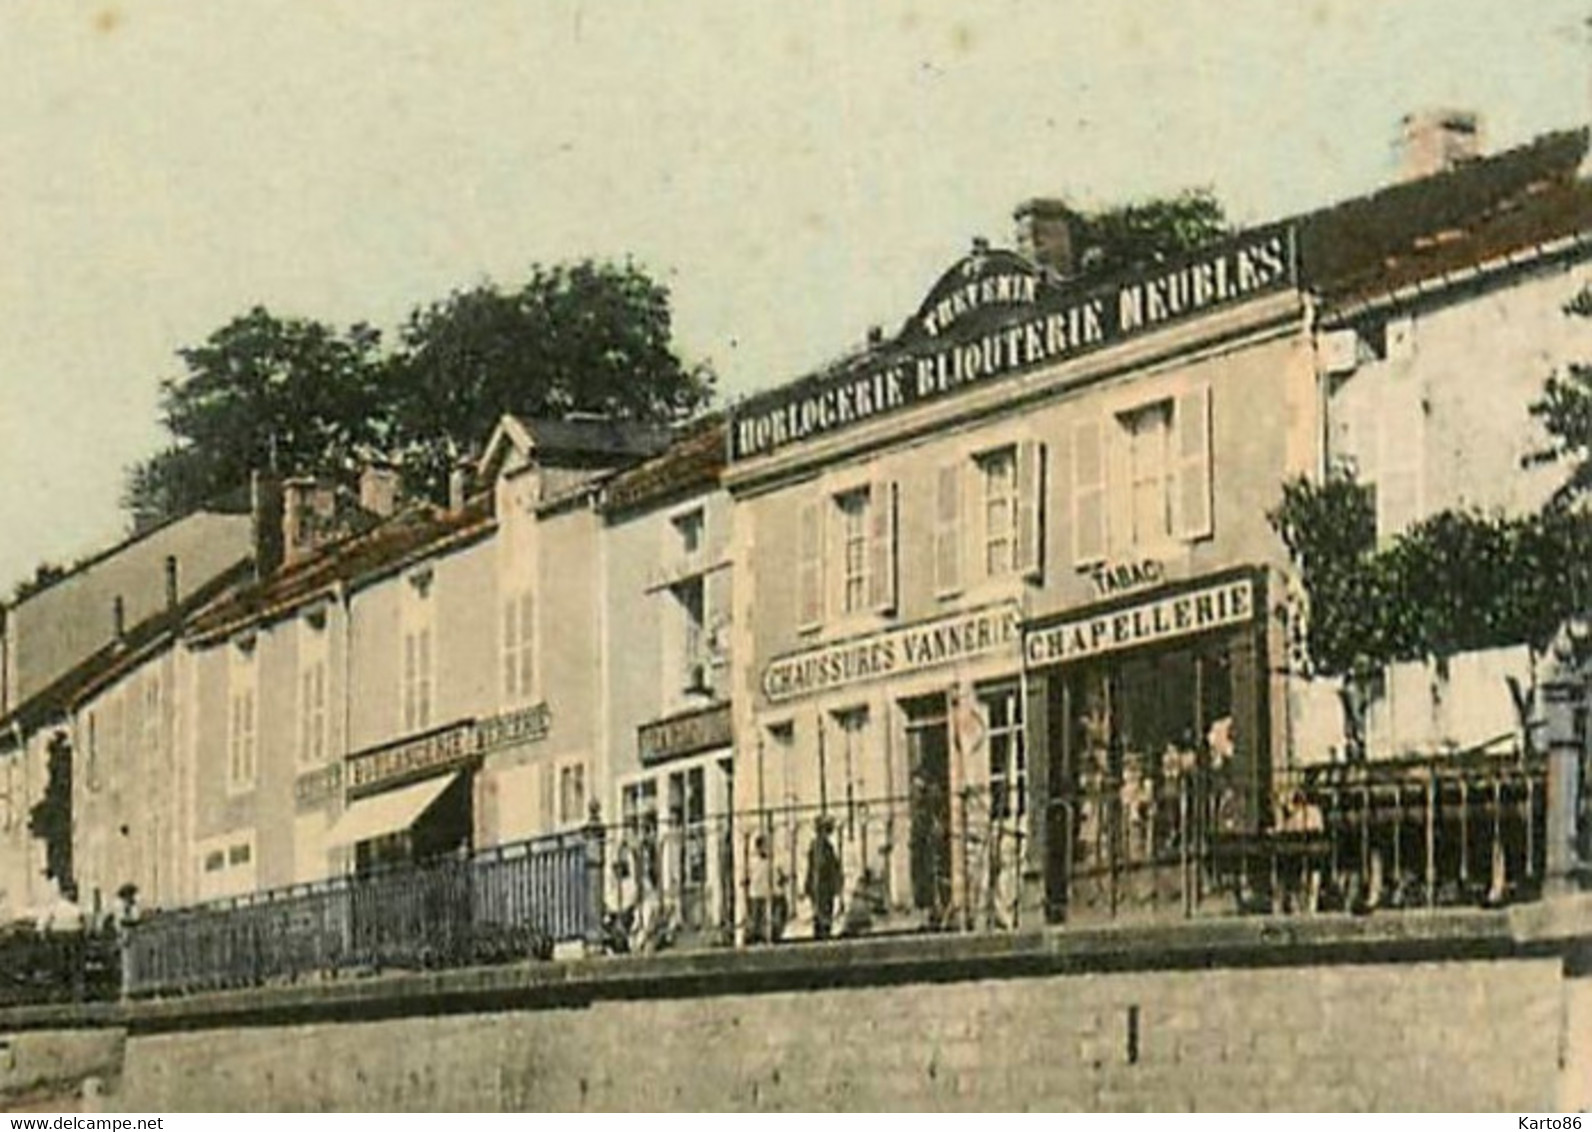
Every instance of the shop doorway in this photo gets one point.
(929, 800)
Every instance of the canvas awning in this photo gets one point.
(387, 812)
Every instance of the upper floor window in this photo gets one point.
(572, 794)
(690, 600)
(1141, 477)
(852, 510)
(1147, 436)
(846, 560)
(690, 528)
(417, 679)
(312, 713)
(241, 721)
(989, 517)
(519, 649)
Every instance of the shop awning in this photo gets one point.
(387, 812)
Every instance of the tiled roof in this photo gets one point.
(117, 658)
(1465, 216)
(403, 537)
(692, 462)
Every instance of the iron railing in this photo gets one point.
(49, 966)
(1159, 841)
(509, 902)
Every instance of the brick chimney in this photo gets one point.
(265, 504)
(1435, 140)
(308, 509)
(378, 488)
(1044, 233)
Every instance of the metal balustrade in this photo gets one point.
(512, 902)
(1145, 842)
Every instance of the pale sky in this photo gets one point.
(794, 172)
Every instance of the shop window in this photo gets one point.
(518, 655)
(1008, 763)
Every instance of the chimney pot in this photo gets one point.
(265, 502)
(458, 486)
(1436, 140)
(378, 488)
(1045, 233)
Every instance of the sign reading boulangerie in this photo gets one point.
(1214, 606)
(986, 321)
(912, 648)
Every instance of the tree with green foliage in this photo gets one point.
(591, 338)
(1142, 233)
(263, 393)
(297, 397)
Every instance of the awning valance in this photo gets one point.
(387, 812)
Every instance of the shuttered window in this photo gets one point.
(882, 548)
(948, 529)
(810, 565)
(1088, 492)
(1192, 422)
(518, 659)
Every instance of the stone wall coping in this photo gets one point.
(1251, 941)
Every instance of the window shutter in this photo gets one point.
(810, 564)
(423, 680)
(882, 547)
(948, 529)
(546, 799)
(1030, 508)
(1193, 424)
(527, 657)
(1088, 492)
(511, 651)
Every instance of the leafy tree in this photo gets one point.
(588, 338)
(296, 396)
(1141, 233)
(1565, 411)
(289, 395)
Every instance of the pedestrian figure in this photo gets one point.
(824, 878)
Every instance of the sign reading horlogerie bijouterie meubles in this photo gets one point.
(995, 314)
(896, 652)
(1213, 606)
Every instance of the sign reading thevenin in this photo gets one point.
(994, 315)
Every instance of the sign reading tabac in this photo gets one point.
(911, 648)
(1214, 606)
(994, 315)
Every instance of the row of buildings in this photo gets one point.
(994, 601)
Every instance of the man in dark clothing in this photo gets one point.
(824, 880)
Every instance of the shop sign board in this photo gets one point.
(1213, 606)
(444, 748)
(682, 735)
(995, 314)
(896, 652)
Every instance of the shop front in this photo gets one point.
(888, 783)
(1153, 732)
(674, 867)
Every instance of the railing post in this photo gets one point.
(595, 837)
(1564, 708)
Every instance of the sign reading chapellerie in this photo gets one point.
(682, 735)
(985, 323)
(1193, 611)
(912, 648)
(445, 748)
